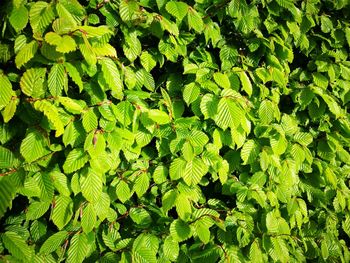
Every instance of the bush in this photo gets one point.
(164, 131)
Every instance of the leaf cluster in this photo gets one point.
(174, 131)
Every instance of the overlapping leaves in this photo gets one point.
(170, 131)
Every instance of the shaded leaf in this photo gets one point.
(17, 246)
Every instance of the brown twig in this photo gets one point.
(216, 8)
(13, 170)
(123, 216)
(100, 5)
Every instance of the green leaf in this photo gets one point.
(255, 253)
(88, 219)
(168, 50)
(7, 192)
(212, 32)
(53, 38)
(246, 84)
(112, 77)
(171, 248)
(144, 255)
(266, 110)
(177, 168)
(45, 185)
(326, 24)
(7, 158)
(168, 200)
(183, 206)
(74, 74)
(228, 114)
(180, 231)
(177, 9)
(194, 20)
(96, 32)
(33, 146)
(228, 56)
(91, 186)
(78, 248)
(26, 53)
(250, 152)
(276, 225)
(95, 144)
(331, 177)
(53, 242)
(123, 112)
(73, 134)
(62, 211)
(88, 53)
(202, 230)
(209, 105)
(70, 104)
(324, 249)
(222, 80)
(147, 61)
(5, 52)
(278, 144)
(159, 175)
(123, 191)
(158, 116)
(102, 206)
(278, 76)
(17, 246)
(288, 4)
(127, 9)
(75, 160)
(75, 184)
(67, 44)
(320, 80)
(90, 121)
(10, 110)
(140, 216)
(280, 249)
(346, 225)
(60, 182)
(37, 209)
(51, 112)
(188, 151)
(194, 171)
(132, 46)
(169, 26)
(6, 91)
(303, 138)
(263, 74)
(32, 82)
(105, 50)
(19, 18)
(41, 15)
(191, 92)
(198, 138)
(57, 80)
(147, 78)
(141, 184)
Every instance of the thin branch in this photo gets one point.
(216, 8)
(100, 5)
(13, 170)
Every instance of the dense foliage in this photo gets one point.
(164, 131)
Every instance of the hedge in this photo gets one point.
(168, 131)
